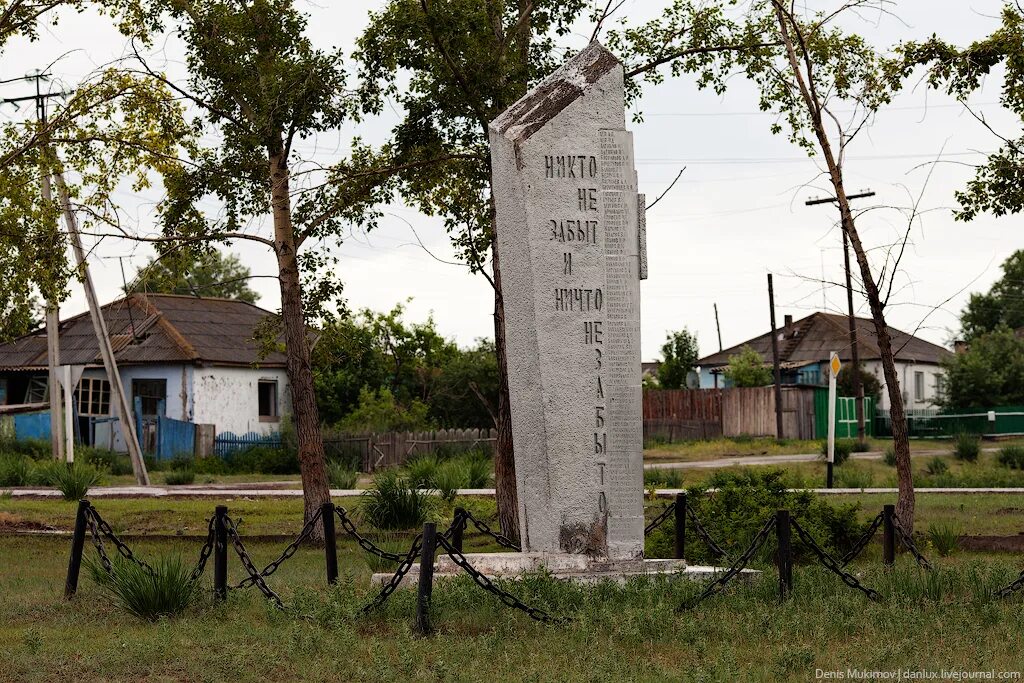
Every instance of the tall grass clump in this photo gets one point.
(15, 470)
(389, 541)
(180, 477)
(393, 503)
(479, 471)
(936, 466)
(421, 471)
(167, 592)
(73, 480)
(889, 457)
(945, 538)
(1012, 457)
(340, 476)
(967, 447)
(450, 477)
(843, 449)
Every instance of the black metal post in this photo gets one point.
(220, 553)
(680, 519)
(785, 556)
(460, 525)
(888, 535)
(426, 584)
(77, 544)
(828, 475)
(330, 541)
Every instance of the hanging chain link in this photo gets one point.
(502, 540)
(205, 551)
(290, 550)
(1012, 587)
(247, 563)
(126, 552)
(703, 533)
(660, 519)
(832, 564)
(98, 541)
(485, 583)
(908, 543)
(859, 546)
(364, 543)
(718, 584)
(403, 568)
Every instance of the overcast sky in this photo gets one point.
(736, 214)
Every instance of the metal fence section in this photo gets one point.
(925, 424)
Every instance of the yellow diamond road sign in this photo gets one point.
(835, 365)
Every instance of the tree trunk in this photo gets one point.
(316, 490)
(505, 493)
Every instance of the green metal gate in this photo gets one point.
(846, 415)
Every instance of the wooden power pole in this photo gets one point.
(858, 385)
(775, 362)
(718, 328)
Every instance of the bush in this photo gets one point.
(889, 458)
(843, 449)
(853, 478)
(936, 466)
(393, 503)
(117, 464)
(967, 447)
(422, 470)
(944, 537)
(167, 592)
(746, 499)
(669, 478)
(210, 465)
(860, 446)
(1012, 457)
(15, 470)
(73, 480)
(181, 477)
(450, 477)
(37, 449)
(340, 476)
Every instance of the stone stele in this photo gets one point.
(569, 241)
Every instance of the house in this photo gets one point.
(183, 357)
(804, 347)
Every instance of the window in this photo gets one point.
(152, 392)
(918, 386)
(940, 386)
(268, 400)
(38, 390)
(93, 396)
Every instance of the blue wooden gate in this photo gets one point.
(174, 438)
(32, 426)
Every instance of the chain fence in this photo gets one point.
(703, 533)
(908, 543)
(250, 567)
(289, 550)
(482, 527)
(660, 519)
(859, 546)
(396, 579)
(99, 527)
(719, 583)
(205, 551)
(831, 563)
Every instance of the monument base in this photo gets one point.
(562, 566)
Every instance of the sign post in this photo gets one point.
(833, 371)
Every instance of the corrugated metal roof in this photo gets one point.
(811, 339)
(154, 328)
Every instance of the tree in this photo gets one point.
(989, 373)
(869, 382)
(804, 67)
(998, 184)
(679, 356)
(205, 274)
(259, 85)
(747, 369)
(1003, 305)
(378, 411)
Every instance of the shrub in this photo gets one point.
(422, 470)
(340, 476)
(450, 477)
(37, 449)
(393, 503)
(210, 465)
(664, 478)
(15, 470)
(118, 464)
(860, 446)
(73, 480)
(853, 478)
(967, 447)
(843, 449)
(1012, 457)
(936, 466)
(889, 458)
(944, 537)
(180, 477)
(167, 592)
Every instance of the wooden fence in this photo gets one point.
(682, 414)
(376, 451)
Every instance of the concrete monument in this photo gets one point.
(568, 231)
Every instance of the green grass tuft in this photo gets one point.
(167, 592)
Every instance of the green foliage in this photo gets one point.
(340, 476)
(180, 477)
(396, 542)
(989, 373)
(841, 452)
(747, 369)
(117, 464)
(450, 477)
(944, 537)
(854, 478)
(1001, 307)
(889, 457)
(744, 500)
(15, 470)
(36, 449)
(668, 478)
(844, 382)
(204, 273)
(1012, 457)
(936, 466)
(860, 446)
(421, 470)
(479, 471)
(167, 592)
(967, 447)
(393, 503)
(378, 411)
(73, 480)
(679, 356)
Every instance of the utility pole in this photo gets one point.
(719, 328)
(858, 385)
(775, 362)
(53, 383)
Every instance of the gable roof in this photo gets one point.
(811, 339)
(153, 328)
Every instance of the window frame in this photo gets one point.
(919, 386)
(275, 408)
(138, 382)
(93, 391)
